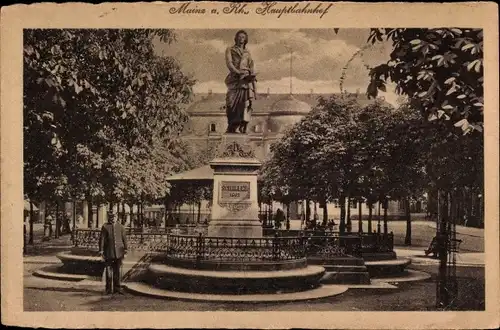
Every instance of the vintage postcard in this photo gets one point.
(250, 165)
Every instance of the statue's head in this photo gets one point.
(241, 37)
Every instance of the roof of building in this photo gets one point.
(276, 103)
(290, 105)
(198, 174)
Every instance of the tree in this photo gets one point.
(96, 104)
(408, 149)
(440, 69)
(323, 156)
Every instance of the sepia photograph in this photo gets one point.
(316, 169)
(253, 169)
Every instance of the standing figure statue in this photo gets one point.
(241, 84)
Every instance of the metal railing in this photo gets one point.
(136, 240)
(229, 249)
(370, 242)
(277, 247)
(333, 246)
(377, 242)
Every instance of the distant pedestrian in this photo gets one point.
(67, 223)
(113, 248)
(49, 220)
(279, 217)
(78, 222)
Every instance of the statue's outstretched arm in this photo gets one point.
(229, 62)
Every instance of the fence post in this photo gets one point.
(358, 248)
(360, 245)
(275, 246)
(75, 243)
(199, 247)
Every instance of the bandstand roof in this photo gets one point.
(204, 173)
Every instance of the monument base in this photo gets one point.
(250, 229)
(235, 209)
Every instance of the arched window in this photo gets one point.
(213, 128)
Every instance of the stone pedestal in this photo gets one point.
(235, 210)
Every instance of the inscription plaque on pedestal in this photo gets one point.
(234, 195)
(231, 191)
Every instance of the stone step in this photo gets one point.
(234, 282)
(383, 268)
(345, 268)
(376, 256)
(340, 261)
(346, 278)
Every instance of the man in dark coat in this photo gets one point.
(113, 248)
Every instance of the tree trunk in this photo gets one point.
(443, 297)
(166, 211)
(32, 218)
(58, 232)
(141, 215)
(349, 223)
(460, 206)
(193, 210)
(342, 215)
(73, 231)
(379, 218)
(325, 214)
(408, 222)
(308, 211)
(370, 211)
(123, 217)
(287, 221)
(132, 224)
(98, 215)
(360, 217)
(199, 211)
(385, 215)
(481, 212)
(90, 221)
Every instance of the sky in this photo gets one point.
(318, 59)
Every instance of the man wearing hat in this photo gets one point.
(112, 248)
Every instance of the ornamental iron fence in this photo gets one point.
(276, 247)
(229, 249)
(326, 247)
(370, 242)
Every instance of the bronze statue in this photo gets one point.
(240, 84)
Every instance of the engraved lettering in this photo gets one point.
(236, 8)
(186, 8)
